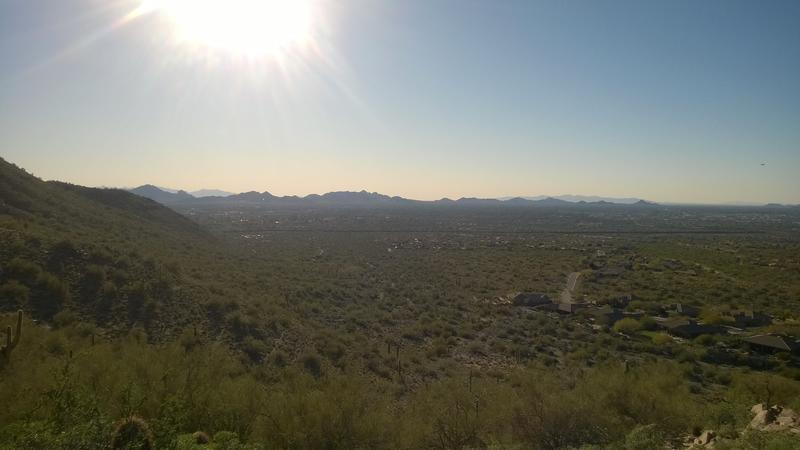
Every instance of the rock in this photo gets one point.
(788, 420)
(774, 418)
(764, 415)
(706, 439)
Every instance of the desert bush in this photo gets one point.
(705, 340)
(108, 296)
(25, 271)
(645, 437)
(754, 440)
(62, 251)
(14, 294)
(254, 348)
(627, 326)
(312, 364)
(662, 339)
(49, 295)
(93, 278)
(749, 388)
(325, 413)
(279, 358)
(550, 415)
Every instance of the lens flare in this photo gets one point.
(247, 27)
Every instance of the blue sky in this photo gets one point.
(664, 100)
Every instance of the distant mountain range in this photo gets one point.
(580, 198)
(210, 193)
(363, 198)
(198, 193)
(161, 195)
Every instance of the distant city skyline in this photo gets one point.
(681, 101)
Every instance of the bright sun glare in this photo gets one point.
(247, 27)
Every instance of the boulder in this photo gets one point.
(774, 418)
(706, 439)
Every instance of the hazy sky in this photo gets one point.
(665, 100)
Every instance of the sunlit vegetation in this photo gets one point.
(77, 388)
(380, 328)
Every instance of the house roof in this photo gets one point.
(674, 322)
(531, 299)
(683, 308)
(771, 341)
(605, 310)
(738, 313)
(570, 306)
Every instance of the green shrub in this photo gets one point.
(312, 364)
(23, 270)
(14, 294)
(226, 440)
(645, 437)
(138, 296)
(93, 278)
(627, 326)
(662, 339)
(108, 296)
(64, 318)
(705, 339)
(254, 348)
(279, 358)
(49, 295)
(754, 440)
(648, 323)
(61, 252)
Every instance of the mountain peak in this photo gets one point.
(160, 195)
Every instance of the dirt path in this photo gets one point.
(572, 283)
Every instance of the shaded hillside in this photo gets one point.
(104, 254)
(72, 208)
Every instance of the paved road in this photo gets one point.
(572, 283)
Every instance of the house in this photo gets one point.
(771, 343)
(688, 328)
(608, 315)
(531, 299)
(608, 272)
(571, 308)
(745, 319)
(686, 310)
(622, 301)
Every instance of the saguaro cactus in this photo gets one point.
(12, 339)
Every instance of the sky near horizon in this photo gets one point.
(665, 100)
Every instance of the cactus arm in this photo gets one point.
(12, 342)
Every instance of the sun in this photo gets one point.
(246, 27)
